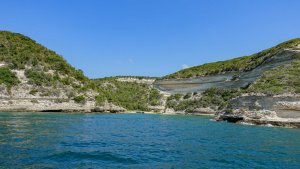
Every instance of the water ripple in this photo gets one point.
(72, 156)
(61, 140)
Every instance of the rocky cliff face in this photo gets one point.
(267, 93)
(278, 110)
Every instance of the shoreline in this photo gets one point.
(284, 123)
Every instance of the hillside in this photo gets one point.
(131, 93)
(244, 63)
(235, 73)
(263, 88)
(34, 78)
(282, 79)
(259, 88)
(26, 62)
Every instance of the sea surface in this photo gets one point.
(62, 140)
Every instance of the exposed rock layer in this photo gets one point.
(227, 80)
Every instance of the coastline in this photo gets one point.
(266, 122)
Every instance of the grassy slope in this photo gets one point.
(214, 98)
(280, 80)
(238, 64)
(130, 95)
(283, 79)
(22, 53)
(7, 77)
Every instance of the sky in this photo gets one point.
(151, 37)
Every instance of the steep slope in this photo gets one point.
(244, 63)
(282, 79)
(267, 93)
(33, 77)
(230, 74)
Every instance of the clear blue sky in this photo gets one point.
(151, 37)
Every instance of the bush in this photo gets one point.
(79, 99)
(39, 78)
(130, 95)
(8, 78)
(213, 97)
(34, 101)
(154, 97)
(280, 80)
(187, 96)
(33, 91)
(100, 99)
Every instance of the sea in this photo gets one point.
(79, 140)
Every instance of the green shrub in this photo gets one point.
(130, 95)
(187, 96)
(213, 97)
(79, 99)
(100, 99)
(39, 78)
(279, 80)
(19, 51)
(154, 97)
(34, 101)
(33, 91)
(8, 78)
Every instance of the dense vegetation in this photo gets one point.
(80, 99)
(283, 79)
(214, 98)
(7, 77)
(244, 63)
(130, 95)
(21, 52)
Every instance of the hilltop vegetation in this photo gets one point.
(19, 52)
(32, 70)
(244, 63)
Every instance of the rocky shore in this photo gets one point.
(274, 122)
(55, 105)
(279, 111)
(241, 115)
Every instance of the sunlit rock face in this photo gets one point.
(283, 106)
(226, 80)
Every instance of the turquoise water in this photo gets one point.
(59, 140)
